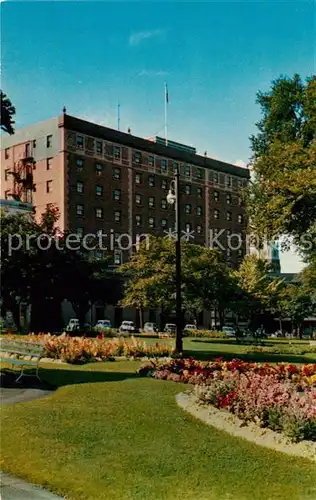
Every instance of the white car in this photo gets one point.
(103, 323)
(73, 324)
(189, 327)
(127, 327)
(229, 330)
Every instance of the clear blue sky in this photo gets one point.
(213, 55)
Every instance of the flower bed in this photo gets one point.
(281, 397)
(283, 349)
(80, 350)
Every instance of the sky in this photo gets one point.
(214, 57)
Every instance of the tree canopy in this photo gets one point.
(282, 196)
(7, 114)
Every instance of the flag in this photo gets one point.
(166, 94)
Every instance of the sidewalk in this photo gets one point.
(17, 489)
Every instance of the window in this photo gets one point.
(98, 147)
(116, 173)
(49, 186)
(117, 194)
(215, 177)
(7, 153)
(239, 201)
(199, 210)
(117, 258)
(164, 204)
(175, 166)
(229, 216)
(117, 216)
(199, 229)
(138, 178)
(117, 153)
(99, 190)
(199, 173)
(164, 222)
(99, 213)
(151, 201)
(151, 181)
(188, 227)
(151, 161)
(216, 195)
(79, 210)
(79, 187)
(188, 208)
(138, 220)
(79, 141)
(98, 168)
(6, 195)
(138, 199)
(228, 199)
(199, 192)
(228, 181)
(187, 189)
(239, 183)
(187, 171)
(49, 141)
(34, 165)
(151, 221)
(137, 157)
(79, 163)
(27, 150)
(6, 174)
(34, 143)
(164, 164)
(216, 214)
(80, 231)
(49, 162)
(240, 219)
(164, 184)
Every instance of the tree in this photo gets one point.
(151, 278)
(40, 268)
(297, 304)
(258, 290)
(282, 197)
(7, 114)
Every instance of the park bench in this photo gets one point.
(21, 353)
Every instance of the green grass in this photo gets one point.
(107, 434)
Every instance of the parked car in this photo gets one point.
(229, 331)
(127, 327)
(150, 328)
(170, 328)
(189, 327)
(73, 324)
(104, 324)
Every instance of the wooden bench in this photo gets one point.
(21, 353)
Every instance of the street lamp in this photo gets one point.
(173, 198)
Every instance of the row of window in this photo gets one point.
(117, 214)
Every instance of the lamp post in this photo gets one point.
(173, 197)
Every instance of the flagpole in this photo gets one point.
(166, 109)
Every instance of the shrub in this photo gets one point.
(212, 334)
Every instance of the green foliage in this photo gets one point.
(210, 334)
(151, 277)
(282, 197)
(7, 114)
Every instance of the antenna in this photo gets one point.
(118, 116)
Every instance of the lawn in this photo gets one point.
(204, 349)
(108, 434)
